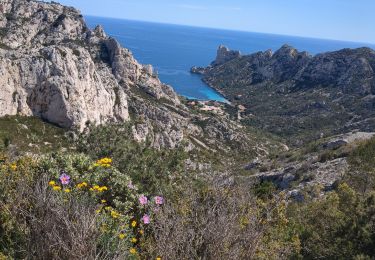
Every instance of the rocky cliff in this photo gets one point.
(47, 69)
(54, 67)
(224, 55)
(297, 95)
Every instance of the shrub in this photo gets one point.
(65, 206)
(221, 223)
(326, 156)
(265, 190)
(155, 171)
(340, 225)
(362, 167)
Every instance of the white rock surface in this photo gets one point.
(46, 71)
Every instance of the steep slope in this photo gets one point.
(296, 95)
(54, 67)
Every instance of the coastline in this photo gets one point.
(201, 73)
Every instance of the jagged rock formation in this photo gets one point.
(294, 94)
(225, 55)
(54, 67)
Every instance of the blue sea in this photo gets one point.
(174, 49)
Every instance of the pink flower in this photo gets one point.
(64, 178)
(131, 185)
(146, 219)
(143, 200)
(159, 200)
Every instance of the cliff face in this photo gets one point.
(54, 67)
(48, 71)
(294, 94)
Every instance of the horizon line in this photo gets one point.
(372, 45)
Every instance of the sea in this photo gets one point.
(174, 49)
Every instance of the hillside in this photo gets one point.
(296, 95)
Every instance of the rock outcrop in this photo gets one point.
(323, 163)
(46, 69)
(225, 55)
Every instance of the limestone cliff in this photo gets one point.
(47, 70)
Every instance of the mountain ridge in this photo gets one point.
(288, 88)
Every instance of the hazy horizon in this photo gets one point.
(370, 44)
(341, 20)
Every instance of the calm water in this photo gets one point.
(174, 49)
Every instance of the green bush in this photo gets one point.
(90, 216)
(155, 171)
(362, 167)
(265, 190)
(340, 225)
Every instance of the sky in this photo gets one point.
(348, 20)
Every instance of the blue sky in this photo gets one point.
(350, 20)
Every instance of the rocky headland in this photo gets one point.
(297, 95)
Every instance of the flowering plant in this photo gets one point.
(123, 215)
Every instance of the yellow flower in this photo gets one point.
(67, 190)
(114, 214)
(103, 201)
(133, 251)
(13, 166)
(97, 211)
(101, 189)
(121, 236)
(56, 188)
(141, 232)
(104, 162)
(134, 223)
(82, 185)
(108, 208)
(158, 258)
(52, 183)
(134, 240)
